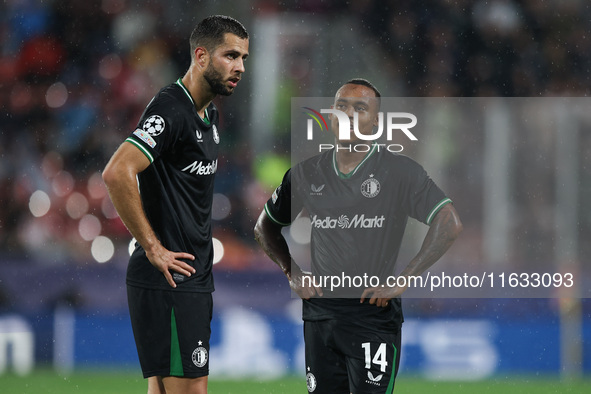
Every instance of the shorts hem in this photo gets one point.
(166, 374)
(147, 286)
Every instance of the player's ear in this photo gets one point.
(201, 56)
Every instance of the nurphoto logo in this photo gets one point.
(394, 122)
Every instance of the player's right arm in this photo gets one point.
(267, 231)
(268, 234)
(120, 177)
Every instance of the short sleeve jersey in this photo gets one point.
(358, 221)
(177, 187)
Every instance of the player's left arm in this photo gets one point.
(444, 229)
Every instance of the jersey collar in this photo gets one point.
(182, 85)
(350, 174)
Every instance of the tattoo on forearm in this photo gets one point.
(274, 246)
(441, 235)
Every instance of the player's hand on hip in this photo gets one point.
(165, 261)
(304, 288)
(381, 295)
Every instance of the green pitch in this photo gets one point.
(48, 382)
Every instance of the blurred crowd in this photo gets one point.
(74, 80)
(76, 75)
(515, 48)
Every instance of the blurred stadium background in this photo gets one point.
(76, 75)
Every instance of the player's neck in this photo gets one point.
(200, 92)
(347, 158)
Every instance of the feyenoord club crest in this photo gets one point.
(311, 382)
(370, 187)
(216, 136)
(199, 356)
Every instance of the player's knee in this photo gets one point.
(176, 385)
(155, 385)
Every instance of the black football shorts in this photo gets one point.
(171, 330)
(342, 357)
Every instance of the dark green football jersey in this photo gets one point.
(177, 187)
(358, 221)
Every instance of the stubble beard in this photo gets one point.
(215, 80)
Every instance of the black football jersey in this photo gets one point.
(358, 221)
(177, 187)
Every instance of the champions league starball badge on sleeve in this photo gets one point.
(154, 125)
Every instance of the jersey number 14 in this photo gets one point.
(379, 357)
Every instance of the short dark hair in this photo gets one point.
(364, 82)
(209, 33)
(367, 84)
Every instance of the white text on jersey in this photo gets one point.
(358, 221)
(198, 168)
